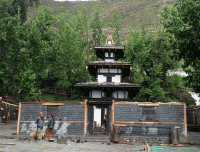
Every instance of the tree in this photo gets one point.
(10, 43)
(176, 90)
(116, 24)
(151, 57)
(22, 6)
(81, 22)
(69, 67)
(183, 21)
(96, 25)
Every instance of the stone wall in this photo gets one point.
(152, 121)
(69, 118)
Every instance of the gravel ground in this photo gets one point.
(11, 143)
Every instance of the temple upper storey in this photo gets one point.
(109, 52)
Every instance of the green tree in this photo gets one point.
(183, 21)
(81, 20)
(116, 25)
(10, 43)
(96, 25)
(176, 90)
(151, 57)
(69, 67)
(36, 56)
(22, 6)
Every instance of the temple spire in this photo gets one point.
(109, 39)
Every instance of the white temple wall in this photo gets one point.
(109, 60)
(116, 78)
(101, 78)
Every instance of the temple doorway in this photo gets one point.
(99, 119)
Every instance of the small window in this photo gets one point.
(126, 94)
(102, 70)
(96, 93)
(90, 94)
(111, 54)
(119, 70)
(120, 94)
(103, 94)
(112, 70)
(114, 94)
(106, 54)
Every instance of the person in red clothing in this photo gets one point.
(40, 124)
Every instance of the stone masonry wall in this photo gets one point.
(163, 113)
(67, 112)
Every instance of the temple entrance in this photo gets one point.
(99, 119)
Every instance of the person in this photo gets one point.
(105, 120)
(51, 122)
(40, 124)
(1, 115)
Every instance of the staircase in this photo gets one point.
(97, 138)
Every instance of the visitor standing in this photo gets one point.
(51, 122)
(1, 115)
(40, 125)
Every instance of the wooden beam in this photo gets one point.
(178, 145)
(185, 120)
(128, 143)
(149, 104)
(59, 121)
(19, 116)
(85, 117)
(172, 103)
(113, 112)
(140, 122)
(53, 103)
(71, 121)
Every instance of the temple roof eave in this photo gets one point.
(109, 47)
(108, 84)
(110, 63)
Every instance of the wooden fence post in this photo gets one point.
(19, 116)
(85, 118)
(185, 119)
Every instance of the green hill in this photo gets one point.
(135, 13)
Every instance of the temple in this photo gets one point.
(109, 86)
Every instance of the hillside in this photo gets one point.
(135, 13)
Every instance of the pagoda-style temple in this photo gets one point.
(109, 86)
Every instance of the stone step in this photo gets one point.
(99, 138)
